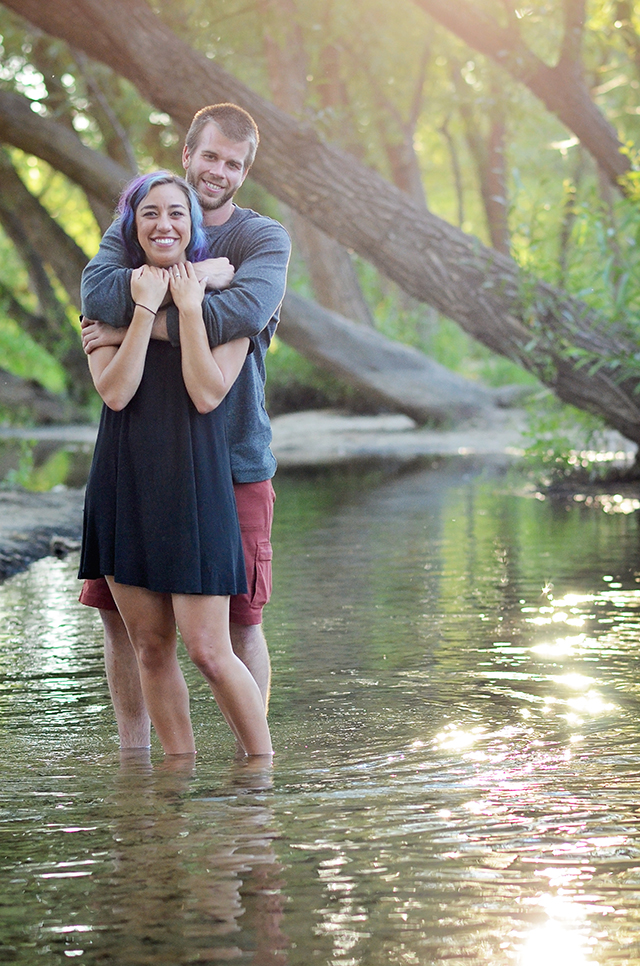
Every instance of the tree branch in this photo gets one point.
(561, 89)
(55, 143)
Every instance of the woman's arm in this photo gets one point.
(117, 371)
(208, 374)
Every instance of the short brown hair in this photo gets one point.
(234, 122)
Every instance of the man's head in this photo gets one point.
(219, 150)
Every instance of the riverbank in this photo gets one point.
(34, 525)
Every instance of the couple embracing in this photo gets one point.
(187, 287)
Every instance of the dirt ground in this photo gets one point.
(34, 525)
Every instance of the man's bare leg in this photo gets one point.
(134, 726)
(249, 644)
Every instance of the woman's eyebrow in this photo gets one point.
(152, 207)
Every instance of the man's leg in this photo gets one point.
(255, 512)
(121, 666)
(123, 678)
(249, 644)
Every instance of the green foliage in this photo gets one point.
(24, 357)
(38, 479)
(566, 443)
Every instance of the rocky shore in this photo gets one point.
(34, 525)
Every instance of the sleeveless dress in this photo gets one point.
(159, 506)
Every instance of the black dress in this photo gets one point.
(159, 506)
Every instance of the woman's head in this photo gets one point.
(161, 220)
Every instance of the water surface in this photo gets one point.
(455, 713)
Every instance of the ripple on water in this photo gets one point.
(457, 774)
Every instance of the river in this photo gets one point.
(455, 716)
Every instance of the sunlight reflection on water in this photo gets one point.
(455, 712)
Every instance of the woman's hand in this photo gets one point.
(149, 286)
(186, 289)
(215, 272)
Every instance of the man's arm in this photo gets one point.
(106, 282)
(245, 308)
(242, 310)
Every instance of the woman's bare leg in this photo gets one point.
(151, 626)
(204, 624)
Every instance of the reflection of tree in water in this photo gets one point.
(195, 876)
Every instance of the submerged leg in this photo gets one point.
(249, 643)
(150, 623)
(123, 679)
(204, 624)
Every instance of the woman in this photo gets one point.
(160, 520)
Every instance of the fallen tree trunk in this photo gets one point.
(387, 373)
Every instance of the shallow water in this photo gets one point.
(455, 712)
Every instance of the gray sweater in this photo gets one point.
(259, 249)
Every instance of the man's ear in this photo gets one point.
(185, 157)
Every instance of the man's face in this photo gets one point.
(216, 170)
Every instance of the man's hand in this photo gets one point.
(215, 272)
(97, 334)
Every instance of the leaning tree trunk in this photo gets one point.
(42, 242)
(487, 293)
(331, 270)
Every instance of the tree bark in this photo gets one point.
(487, 151)
(544, 330)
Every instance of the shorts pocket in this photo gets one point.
(263, 574)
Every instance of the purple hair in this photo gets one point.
(135, 192)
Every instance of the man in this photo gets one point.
(219, 150)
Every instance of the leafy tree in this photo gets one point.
(469, 114)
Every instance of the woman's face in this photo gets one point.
(163, 225)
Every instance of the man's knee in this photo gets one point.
(115, 632)
(247, 639)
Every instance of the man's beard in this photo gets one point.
(210, 204)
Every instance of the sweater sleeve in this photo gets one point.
(106, 282)
(253, 298)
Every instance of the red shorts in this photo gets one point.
(255, 513)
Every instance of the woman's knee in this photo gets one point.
(153, 648)
(211, 660)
